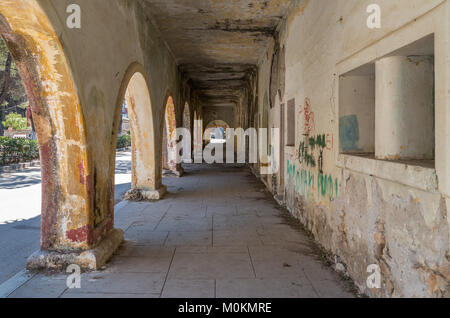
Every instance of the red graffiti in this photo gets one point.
(78, 235)
(330, 141)
(309, 117)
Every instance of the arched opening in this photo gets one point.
(145, 178)
(187, 125)
(123, 164)
(170, 165)
(198, 138)
(215, 132)
(68, 219)
(215, 138)
(264, 138)
(187, 117)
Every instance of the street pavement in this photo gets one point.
(20, 209)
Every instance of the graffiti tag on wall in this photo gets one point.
(307, 181)
(310, 153)
(308, 115)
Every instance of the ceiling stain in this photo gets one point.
(218, 43)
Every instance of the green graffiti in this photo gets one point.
(318, 141)
(305, 156)
(290, 169)
(326, 186)
(304, 182)
(305, 150)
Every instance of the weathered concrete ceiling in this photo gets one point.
(218, 43)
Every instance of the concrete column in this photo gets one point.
(404, 110)
(77, 221)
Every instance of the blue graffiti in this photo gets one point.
(349, 133)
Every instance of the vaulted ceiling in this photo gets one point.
(218, 43)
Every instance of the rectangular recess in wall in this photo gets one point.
(386, 107)
(357, 110)
(290, 123)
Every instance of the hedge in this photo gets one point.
(15, 150)
(124, 141)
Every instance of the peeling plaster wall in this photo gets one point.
(364, 211)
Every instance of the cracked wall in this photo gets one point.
(363, 211)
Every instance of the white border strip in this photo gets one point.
(12, 284)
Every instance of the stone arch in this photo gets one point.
(187, 124)
(215, 124)
(170, 165)
(197, 135)
(187, 117)
(146, 179)
(68, 190)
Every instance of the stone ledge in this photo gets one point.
(92, 259)
(418, 177)
(19, 166)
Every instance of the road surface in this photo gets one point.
(20, 209)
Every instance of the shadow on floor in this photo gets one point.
(18, 240)
(20, 179)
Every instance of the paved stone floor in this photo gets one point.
(217, 233)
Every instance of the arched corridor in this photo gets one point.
(339, 166)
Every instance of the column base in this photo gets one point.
(173, 173)
(146, 195)
(92, 259)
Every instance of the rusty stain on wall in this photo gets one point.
(43, 66)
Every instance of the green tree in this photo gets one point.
(16, 121)
(13, 97)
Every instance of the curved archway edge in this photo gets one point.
(146, 178)
(169, 145)
(69, 233)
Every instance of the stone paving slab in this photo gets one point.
(211, 265)
(264, 288)
(217, 234)
(198, 238)
(189, 288)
